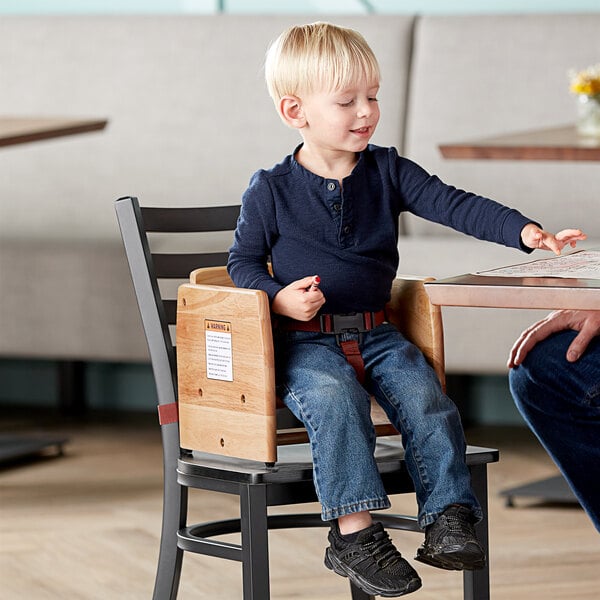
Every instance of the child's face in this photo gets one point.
(341, 120)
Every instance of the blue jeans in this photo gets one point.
(317, 383)
(561, 403)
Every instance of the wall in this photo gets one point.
(295, 6)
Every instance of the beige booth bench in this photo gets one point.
(190, 121)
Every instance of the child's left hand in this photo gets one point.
(534, 237)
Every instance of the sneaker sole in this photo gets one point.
(332, 563)
(461, 559)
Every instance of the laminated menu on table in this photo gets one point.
(583, 264)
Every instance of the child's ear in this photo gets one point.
(290, 110)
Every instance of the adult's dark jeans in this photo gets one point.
(560, 401)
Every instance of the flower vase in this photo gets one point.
(588, 115)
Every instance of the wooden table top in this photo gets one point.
(515, 292)
(557, 143)
(20, 130)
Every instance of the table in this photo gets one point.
(515, 292)
(26, 129)
(554, 143)
(518, 292)
(22, 130)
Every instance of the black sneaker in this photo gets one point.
(371, 562)
(451, 542)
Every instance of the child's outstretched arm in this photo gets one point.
(534, 237)
(300, 300)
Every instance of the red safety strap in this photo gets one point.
(354, 357)
(168, 413)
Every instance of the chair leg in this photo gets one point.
(358, 594)
(175, 502)
(477, 583)
(170, 556)
(255, 542)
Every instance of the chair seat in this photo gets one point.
(294, 463)
(290, 482)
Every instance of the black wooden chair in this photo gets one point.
(257, 485)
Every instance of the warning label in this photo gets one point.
(219, 357)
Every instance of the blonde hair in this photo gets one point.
(319, 56)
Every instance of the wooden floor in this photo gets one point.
(86, 525)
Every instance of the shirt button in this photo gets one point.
(337, 207)
(347, 229)
(331, 186)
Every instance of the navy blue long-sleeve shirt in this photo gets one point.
(348, 235)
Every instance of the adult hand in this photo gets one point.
(534, 237)
(586, 322)
(300, 300)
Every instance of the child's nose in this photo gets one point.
(364, 109)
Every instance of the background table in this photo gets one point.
(555, 143)
(21, 130)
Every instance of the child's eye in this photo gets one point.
(346, 104)
(373, 100)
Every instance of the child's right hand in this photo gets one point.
(535, 238)
(300, 300)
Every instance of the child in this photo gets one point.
(331, 210)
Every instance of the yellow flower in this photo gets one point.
(587, 81)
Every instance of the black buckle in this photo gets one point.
(350, 322)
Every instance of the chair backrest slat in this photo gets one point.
(179, 266)
(170, 307)
(190, 219)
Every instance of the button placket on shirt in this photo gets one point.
(342, 218)
(334, 201)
